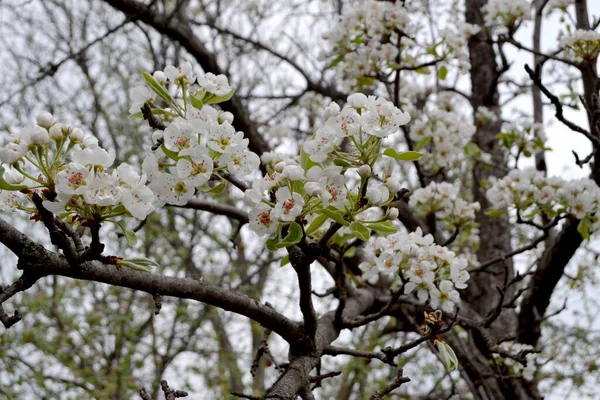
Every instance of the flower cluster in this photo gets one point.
(356, 40)
(526, 137)
(443, 135)
(317, 188)
(199, 142)
(512, 351)
(432, 271)
(581, 45)
(454, 43)
(69, 171)
(506, 13)
(558, 5)
(443, 200)
(531, 193)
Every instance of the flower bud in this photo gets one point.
(44, 119)
(89, 141)
(76, 135)
(160, 77)
(13, 177)
(364, 171)
(357, 100)
(312, 188)
(279, 166)
(226, 117)
(56, 131)
(447, 355)
(293, 172)
(393, 212)
(394, 185)
(35, 135)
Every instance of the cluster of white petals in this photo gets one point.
(581, 45)
(361, 118)
(445, 134)
(505, 13)
(530, 192)
(525, 136)
(443, 199)
(69, 171)
(515, 367)
(197, 142)
(433, 272)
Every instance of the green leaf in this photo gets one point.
(422, 143)
(472, 150)
(584, 229)
(423, 71)
(337, 60)
(495, 212)
(285, 260)
(384, 228)
(220, 99)
(365, 81)
(335, 215)
(316, 224)
(406, 156)
(217, 190)
(272, 243)
(7, 186)
(158, 88)
(143, 261)
(170, 153)
(442, 72)
(433, 49)
(360, 231)
(134, 266)
(341, 163)
(293, 236)
(130, 235)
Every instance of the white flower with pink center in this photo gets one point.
(195, 166)
(216, 84)
(263, 220)
(104, 190)
(223, 137)
(239, 160)
(179, 136)
(289, 205)
(138, 201)
(72, 179)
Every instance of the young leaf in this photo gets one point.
(293, 236)
(316, 224)
(158, 88)
(442, 72)
(422, 143)
(360, 231)
(495, 212)
(472, 150)
(285, 260)
(406, 156)
(335, 215)
(384, 228)
(219, 99)
(584, 229)
(130, 235)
